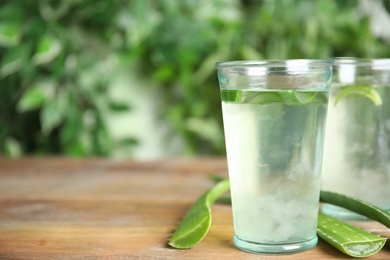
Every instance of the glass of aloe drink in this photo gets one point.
(357, 148)
(274, 115)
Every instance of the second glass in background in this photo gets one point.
(357, 143)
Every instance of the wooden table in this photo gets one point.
(60, 208)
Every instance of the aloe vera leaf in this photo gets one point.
(262, 98)
(344, 237)
(290, 97)
(216, 178)
(230, 95)
(305, 97)
(294, 98)
(356, 205)
(196, 222)
(360, 90)
(347, 238)
(224, 200)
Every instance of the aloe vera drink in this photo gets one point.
(274, 165)
(273, 115)
(357, 149)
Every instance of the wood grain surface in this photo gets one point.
(62, 208)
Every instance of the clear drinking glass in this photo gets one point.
(357, 148)
(274, 116)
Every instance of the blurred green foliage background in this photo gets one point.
(136, 78)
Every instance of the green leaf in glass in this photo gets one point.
(230, 95)
(367, 91)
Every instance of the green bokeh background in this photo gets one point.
(136, 79)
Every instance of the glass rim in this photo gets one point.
(356, 61)
(275, 63)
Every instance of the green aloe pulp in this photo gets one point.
(196, 223)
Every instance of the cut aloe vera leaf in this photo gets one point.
(356, 205)
(231, 95)
(291, 98)
(347, 238)
(262, 98)
(288, 97)
(216, 178)
(305, 97)
(294, 98)
(196, 222)
(360, 90)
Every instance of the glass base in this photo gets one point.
(341, 213)
(257, 248)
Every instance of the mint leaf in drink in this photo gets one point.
(367, 91)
